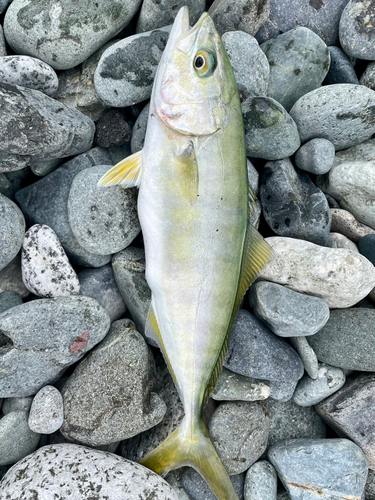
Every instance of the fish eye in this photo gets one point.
(204, 63)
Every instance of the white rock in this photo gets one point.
(310, 392)
(345, 223)
(46, 270)
(337, 240)
(47, 411)
(339, 276)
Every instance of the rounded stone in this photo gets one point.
(242, 15)
(112, 129)
(261, 482)
(357, 34)
(366, 246)
(12, 230)
(368, 76)
(341, 69)
(9, 299)
(46, 412)
(307, 355)
(310, 392)
(11, 278)
(105, 220)
(337, 240)
(17, 440)
(197, 488)
(139, 130)
(346, 224)
(231, 386)
(155, 15)
(316, 156)
(17, 404)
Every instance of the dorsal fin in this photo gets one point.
(127, 172)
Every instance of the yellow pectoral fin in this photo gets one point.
(127, 172)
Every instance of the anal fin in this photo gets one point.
(126, 173)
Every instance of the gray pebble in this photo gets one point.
(287, 313)
(9, 299)
(341, 69)
(341, 113)
(120, 80)
(12, 230)
(261, 482)
(231, 386)
(250, 66)
(3, 47)
(11, 278)
(239, 431)
(155, 15)
(42, 337)
(4, 5)
(316, 156)
(307, 355)
(16, 439)
(104, 220)
(139, 130)
(270, 132)
(370, 486)
(173, 478)
(310, 392)
(337, 240)
(197, 488)
(47, 412)
(346, 224)
(17, 404)
(357, 34)
(368, 76)
(242, 15)
(42, 168)
(46, 270)
(282, 390)
(49, 471)
(253, 177)
(114, 380)
(65, 36)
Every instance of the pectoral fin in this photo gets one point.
(127, 172)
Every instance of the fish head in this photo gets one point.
(194, 83)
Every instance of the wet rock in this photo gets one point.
(346, 224)
(9, 299)
(261, 482)
(42, 337)
(310, 392)
(112, 129)
(270, 132)
(340, 277)
(307, 355)
(243, 15)
(139, 130)
(12, 230)
(337, 240)
(292, 205)
(11, 278)
(368, 76)
(46, 413)
(316, 156)
(155, 15)
(197, 488)
(231, 386)
(341, 69)
(357, 36)
(16, 439)
(366, 246)
(342, 113)
(46, 270)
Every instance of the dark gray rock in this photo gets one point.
(321, 17)
(341, 69)
(282, 390)
(239, 431)
(42, 337)
(347, 340)
(231, 386)
(255, 352)
(139, 130)
(108, 398)
(9, 299)
(357, 35)
(342, 113)
(155, 15)
(112, 129)
(250, 66)
(368, 76)
(292, 205)
(17, 404)
(12, 230)
(287, 313)
(42, 168)
(299, 61)
(350, 412)
(3, 47)
(253, 177)
(366, 246)
(16, 439)
(4, 5)
(46, 202)
(120, 80)
(64, 37)
(11, 278)
(370, 486)
(46, 412)
(261, 482)
(100, 285)
(197, 488)
(316, 156)
(104, 220)
(49, 471)
(326, 468)
(242, 15)
(307, 355)
(11, 182)
(310, 392)
(270, 132)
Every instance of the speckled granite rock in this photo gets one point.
(12, 230)
(155, 15)
(198, 489)
(357, 36)
(46, 412)
(243, 15)
(261, 482)
(345, 223)
(28, 72)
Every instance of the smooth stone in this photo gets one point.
(42, 337)
(307, 355)
(155, 15)
(45, 202)
(242, 15)
(325, 468)
(357, 34)
(17, 404)
(341, 69)
(292, 205)
(9, 299)
(366, 246)
(261, 482)
(256, 352)
(11, 278)
(16, 439)
(239, 431)
(100, 285)
(129, 268)
(347, 340)
(321, 17)
(119, 79)
(290, 421)
(368, 76)
(250, 66)
(338, 276)
(3, 47)
(49, 471)
(42, 168)
(28, 72)
(112, 129)
(370, 486)
(299, 61)
(253, 177)
(315, 156)
(11, 182)
(139, 130)
(105, 220)
(310, 392)
(173, 478)
(337, 240)
(46, 270)
(65, 36)
(197, 488)
(342, 113)
(282, 390)
(231, 386)
(118, 153)
(46, 412)
(270, 132)
(12, 230)
(345, 223)
(108, 397)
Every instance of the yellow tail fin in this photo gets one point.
(192, 446)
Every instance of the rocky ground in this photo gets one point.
(84, 394)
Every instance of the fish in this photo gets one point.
(194, 207)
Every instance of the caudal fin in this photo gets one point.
(192, 446)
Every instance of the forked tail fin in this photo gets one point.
(192, 446)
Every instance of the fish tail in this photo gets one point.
(191, 445)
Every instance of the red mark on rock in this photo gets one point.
(79, 343)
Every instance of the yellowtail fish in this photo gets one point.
(194, 207)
